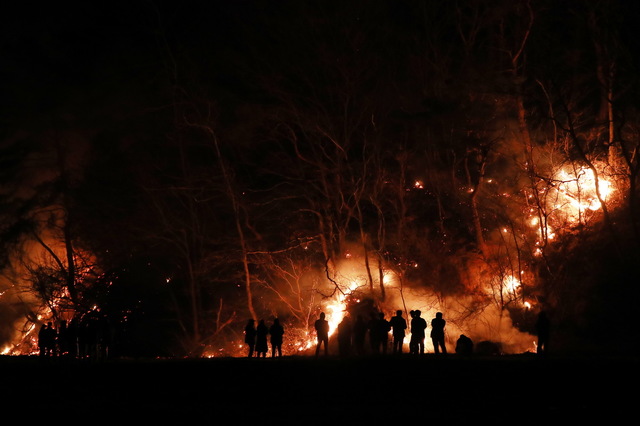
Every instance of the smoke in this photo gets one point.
(472, 313)
(465, 314)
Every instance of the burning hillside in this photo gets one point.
(353, 160)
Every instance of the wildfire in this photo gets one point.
(572, 198)
(579, 191)
(335, 309)
(581, 188)
(511, 283)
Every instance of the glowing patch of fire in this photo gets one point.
(576, 193)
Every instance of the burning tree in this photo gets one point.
(46, 265)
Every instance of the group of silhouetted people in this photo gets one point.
(88, 337)
(352, 334)
(258, 338)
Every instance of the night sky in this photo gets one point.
(99, 64)
(109, 62)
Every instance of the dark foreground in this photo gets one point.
(514, 390)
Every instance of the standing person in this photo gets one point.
(52, 340)
(261, 339)
(359, 334)
(250, 336)
(437, 333)
(276, 331)
(413, 347)
(88, 335)
(83, 338)
(42, 340)
(345, 335)
(399, 325)
(47, 339)
(542, 330)
(374, 339)
(382, 328)
(418, 327)
(63, 339)
(322, 332)
(72, 332)
(104, 336)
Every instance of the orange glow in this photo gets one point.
(511, 283)
(571, 200)
(578, 191)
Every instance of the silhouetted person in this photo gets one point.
(398, 325)
(276, 331)
(63, 339)
(413, 348)
(104, 336)
(345, 334)
(42, 340)
(464, 345)
(437, 333)
(250, 337)
(543, 326)
(50, 340)
(261, 339)
(381, 330)
(88, 336)
(359, 335)
(418, 327)
(322, 333)
(93, 335)
(374, 338)
(83, 338)
(72, 338)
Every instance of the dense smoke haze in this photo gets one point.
(178, 168)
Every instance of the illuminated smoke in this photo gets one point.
(465, 314)
(475, 311)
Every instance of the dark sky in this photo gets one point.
(83, 58)
(72, 58)
(102, 65)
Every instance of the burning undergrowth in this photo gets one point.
(351, 288)
(491, 294)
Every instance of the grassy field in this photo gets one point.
(514, 390)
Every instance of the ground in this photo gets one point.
(515, 390)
